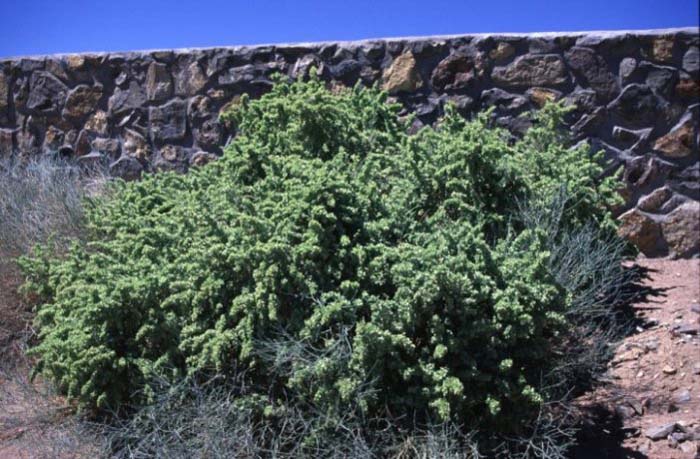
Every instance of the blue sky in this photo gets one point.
(42, 27)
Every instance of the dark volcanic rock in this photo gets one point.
(168, 122)
(46, 93)
(592, 69)
(532, 70)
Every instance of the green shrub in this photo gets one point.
(325, 219)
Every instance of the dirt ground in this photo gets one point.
(654, 378)
(652, 389)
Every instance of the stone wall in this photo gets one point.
(636, 95)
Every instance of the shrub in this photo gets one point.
(326, 220)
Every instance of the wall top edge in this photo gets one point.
(596, 34)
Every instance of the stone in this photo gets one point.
(201, 158)
(302, 67)
(46, 93)
(691, 60)
(640, 229)
(347, 71)
(680, 141)
(660, 432)
(97, 123)
(82, 143)
(503, 100)
(190, 80)
(540, 96)
(168, 122)
(463, 104)
(636, 104)
(654, 200)
(172, 158)
(4, 96)
(159, 83)
(402, 75)
(661, 79)
(593, 71)
(662, 49)
(502, 51)
(695, 307)
(456, 71)
(125, 100)
(200, 108)
(53, 139)
(208, 135)
(82, 100)
(126, 168)
(688, 88)
(627, 67)
(135, 145)
(532, 70)
(109, 147)
(681, 230)
(669, 370)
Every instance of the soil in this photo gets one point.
(653, 381)
(654, 377)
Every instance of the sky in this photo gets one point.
(30, 27)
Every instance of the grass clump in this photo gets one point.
(329, 258)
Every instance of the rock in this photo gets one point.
(687, 329)
(503, 100)
(696, 368)
(636, 104)
(662, 49)
(201, 158)
(532, 70)
(627, 67)
(109, 147)
(669, 370)
(661, 79)
(347, 71)
(695, 307)
(82, 143)
(502, 52)
(172, 158)
(53, 139)
(82, 100)
(126, 168)
(691, 60)
(169, 121)
(456, 71)
(402, 75)
(46, 93)
(688, 88)
(200, 108)
(463, 104)
(208, 135)
(4, 96)
(641, 230)
(135, 145)
(97, 123)
(680, 141)
(681, 229)
(302, 67)
(159, 84)
(190, 80)
(593, 71)
(660, 432)
(125, 100)
(682, 397)
(540, 96)
(653, 201)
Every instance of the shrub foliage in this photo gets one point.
(326, 223)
